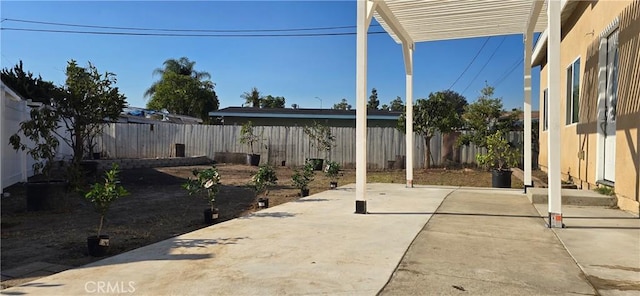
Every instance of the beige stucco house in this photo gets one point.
(600, 97)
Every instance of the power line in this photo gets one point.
(485, 64)
(185, 35)
(474, 58)
(513, 68)
(179, 30)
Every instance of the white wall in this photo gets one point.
(16, 166)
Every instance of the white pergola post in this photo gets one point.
(365, 10)
(527, 110)
(407, 50)
(553, 81)
(528, 48)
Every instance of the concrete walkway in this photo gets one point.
(481, 241)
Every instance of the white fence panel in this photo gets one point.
(276, 144)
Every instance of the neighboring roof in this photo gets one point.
(540, 48)
(302, 113)
(431, 20)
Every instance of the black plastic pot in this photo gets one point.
(210, 216)
(304, 192)
(263, 203)
(89, 168)
(253, 159)
(333, 185)
(98, 246)
(501, 178)
(96, 155)
(46, 195)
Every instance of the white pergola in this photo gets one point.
(412, 21)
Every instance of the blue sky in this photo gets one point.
(298, 68)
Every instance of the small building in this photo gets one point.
(301, 117)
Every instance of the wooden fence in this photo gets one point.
(279, 143)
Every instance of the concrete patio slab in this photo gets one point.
(316, 245)
(606, 245)
(480, 241)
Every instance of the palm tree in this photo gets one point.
(182, 66)
(252, 97)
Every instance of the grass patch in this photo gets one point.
(605, 190)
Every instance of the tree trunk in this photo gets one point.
(78, 149)
(100, 226)
(427, 152)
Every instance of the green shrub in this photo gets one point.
(207, 180)
(605, 190)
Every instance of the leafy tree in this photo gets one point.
(343, 105)
(272, 102)
(485, 117)
(321, 138)
(442, 112)
(26, 85)
(252, 97)
(396, 105)
(182, 66)
(373, 100)
(89, 99)
(294, 106)
(183, 90)
(385, 107)
(86, 101)
(181, 94)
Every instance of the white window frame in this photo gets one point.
(545, 109)
(570, 99)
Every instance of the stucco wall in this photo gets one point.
(581, 38)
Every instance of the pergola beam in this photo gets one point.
(390, 19)
(532, 21)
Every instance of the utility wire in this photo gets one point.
(474, 58)
(186, 35)
(513, 68)
(485, 64)
(179, 30)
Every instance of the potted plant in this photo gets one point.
(302, 177)
(43, 193)
(261, 181)
(332, 170)
(501, 156)
(247, 136)
(321, 139)
(101, 195)
(207, 181)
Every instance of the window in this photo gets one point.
(545, 109)
(573, 92)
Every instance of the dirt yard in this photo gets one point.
(158, 208)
